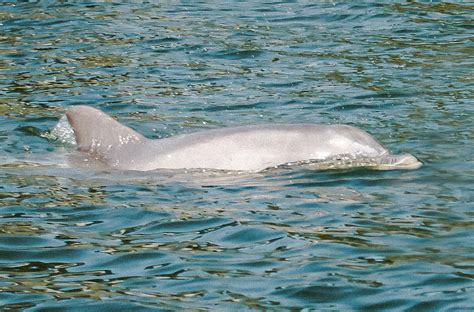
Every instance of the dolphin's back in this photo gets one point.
(261, 146)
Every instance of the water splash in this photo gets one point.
(62, 132)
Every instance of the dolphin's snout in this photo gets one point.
(404, 161)
(408, 161)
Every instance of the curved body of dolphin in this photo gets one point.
(251, 148)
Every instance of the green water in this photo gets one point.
(292, 238)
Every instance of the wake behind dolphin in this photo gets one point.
(248, 148)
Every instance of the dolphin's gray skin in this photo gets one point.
(252, 148)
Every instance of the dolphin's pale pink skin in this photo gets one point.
(252, 148)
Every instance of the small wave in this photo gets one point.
(346, 161)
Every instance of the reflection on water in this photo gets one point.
(289, 237)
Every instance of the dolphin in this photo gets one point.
(242, 148)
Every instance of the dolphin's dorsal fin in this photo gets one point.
(102, 136)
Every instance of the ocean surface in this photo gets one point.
(81, 239)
